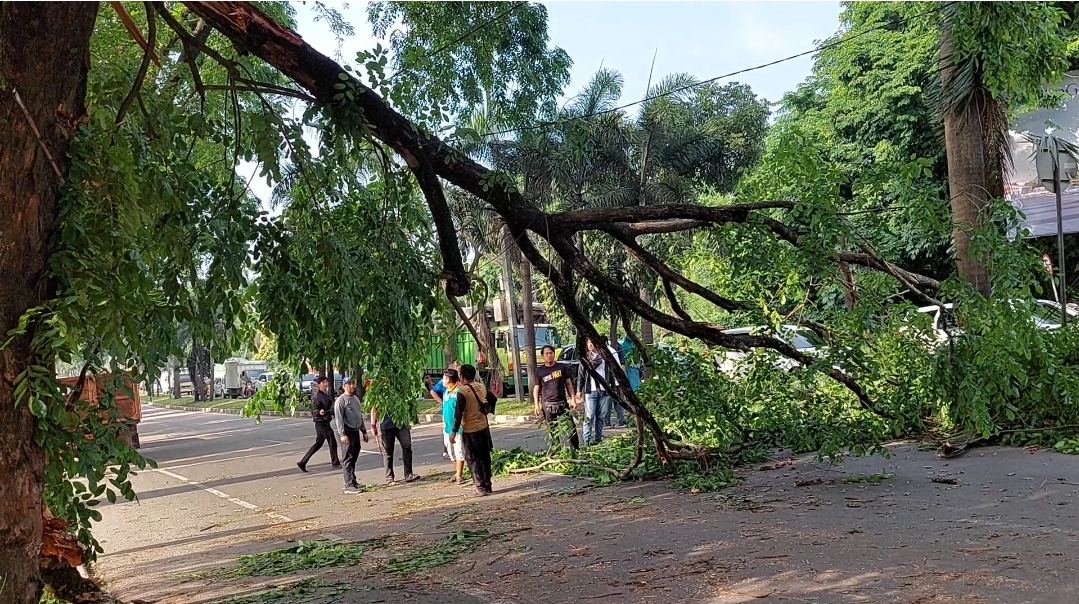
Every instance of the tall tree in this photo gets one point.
(42, 102)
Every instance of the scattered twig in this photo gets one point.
(615, 593)
(809, 483)
(941, 480)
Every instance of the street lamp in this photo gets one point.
(1056, 162)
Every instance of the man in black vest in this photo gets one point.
(322, 412)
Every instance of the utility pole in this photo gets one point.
(511, 309)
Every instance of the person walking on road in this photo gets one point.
(348, 415)
(452, 380)
(386, 430)
(553, 396)
(471, 428)
(597, 401)
(322, 412)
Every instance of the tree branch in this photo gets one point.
(148, 53)
(673, 299)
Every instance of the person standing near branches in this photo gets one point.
(348, 415)
(597, 400)
(471, 427)
(553, 396)
(438, 391)
(322, 412)
(452, 380)
(386, 430)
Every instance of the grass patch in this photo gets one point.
(870, 479)
(305, 556)
(444, 551)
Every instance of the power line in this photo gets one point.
(710, 80)
(465, 36)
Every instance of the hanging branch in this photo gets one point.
(673, 299)
(151, 24)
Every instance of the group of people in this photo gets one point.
(555, 394)
(466, 432)
(346, 415)
(467, 435)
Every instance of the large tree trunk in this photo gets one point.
(45, 57)
(529, 319)
(965, 139)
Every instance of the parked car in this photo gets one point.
(305, 382)
(219, 388)
(800, 338)
(263, 379)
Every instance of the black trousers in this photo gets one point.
(553, 414)
(403, 436)
(477, 446)
(323, 434)
(352, 453)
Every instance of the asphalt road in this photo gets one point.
(226, 485)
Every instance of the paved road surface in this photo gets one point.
(225, 484)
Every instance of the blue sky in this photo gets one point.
(705, 39)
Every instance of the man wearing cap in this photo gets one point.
(348, 415)
(322, 411)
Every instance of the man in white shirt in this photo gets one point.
(597, 400)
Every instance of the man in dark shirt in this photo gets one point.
(386, 430)
(553, 396)
(322, 411)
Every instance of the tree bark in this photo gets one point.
(529, 318)
(647, 337)
(44, 58)
(968, 185)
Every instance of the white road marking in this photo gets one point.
(225, 496)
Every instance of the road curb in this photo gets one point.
(426, 418)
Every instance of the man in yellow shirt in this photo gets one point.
(475, 433)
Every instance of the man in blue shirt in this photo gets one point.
(452, 380)
(438, 391)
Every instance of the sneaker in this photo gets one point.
(445, 455)
(390, 481)
(411, 478)
(302, 466)
(354, 489)
(482, 492)
(336, 466)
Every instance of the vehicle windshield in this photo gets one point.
(805, 338)
(308, 377)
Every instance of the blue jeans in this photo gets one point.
(618, 411)
(596, 408)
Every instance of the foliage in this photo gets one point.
(874, 478)
(445, 551)
(304, 591)
(450, 57)
(305, 556)
(280, 394)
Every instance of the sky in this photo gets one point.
(705, 39)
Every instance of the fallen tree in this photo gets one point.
(430, 159)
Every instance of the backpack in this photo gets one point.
(487, 405)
